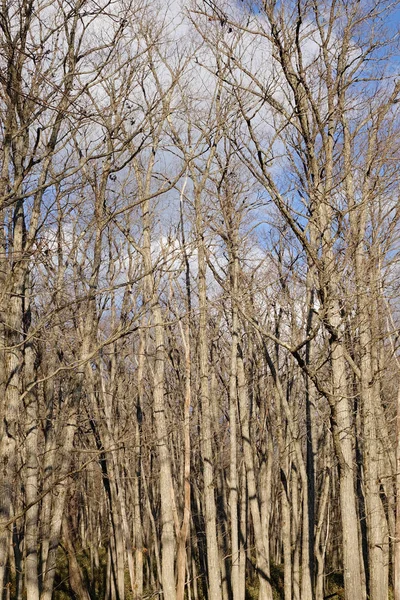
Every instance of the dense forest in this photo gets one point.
(199, 300)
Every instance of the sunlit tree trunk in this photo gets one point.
(214, 577)
(397, 530)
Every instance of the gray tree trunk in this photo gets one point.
(210, 516)
(262, 554)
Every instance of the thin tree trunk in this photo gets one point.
(59, 507)
(184, 530)
(262, 554)
(76, 579)
(31, 482)
(168, 541)
(397, 530)
(266, 492)
(12, 385)
(320, 543)
(138, 513)
(296, 512)
(210, 514)
(286, 530)
(167, 516)
(181, 558)
(306, 584)
(243, 526)
(343, 438)
(233, 467)
(157, 552)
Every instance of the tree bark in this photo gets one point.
(397, 530)
(210, 516)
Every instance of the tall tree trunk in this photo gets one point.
(364, 264)
(233, 466)
(321, 534)
(397, 530)
(296, 513)
(262, 554)
(243, 531)
(31, 480)
(76, 579)
(137, 504)
(12, 384)
(210, 514)
(306, 584)
(343, 439)
(59, 504)
(159, 407)
(181, 559)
